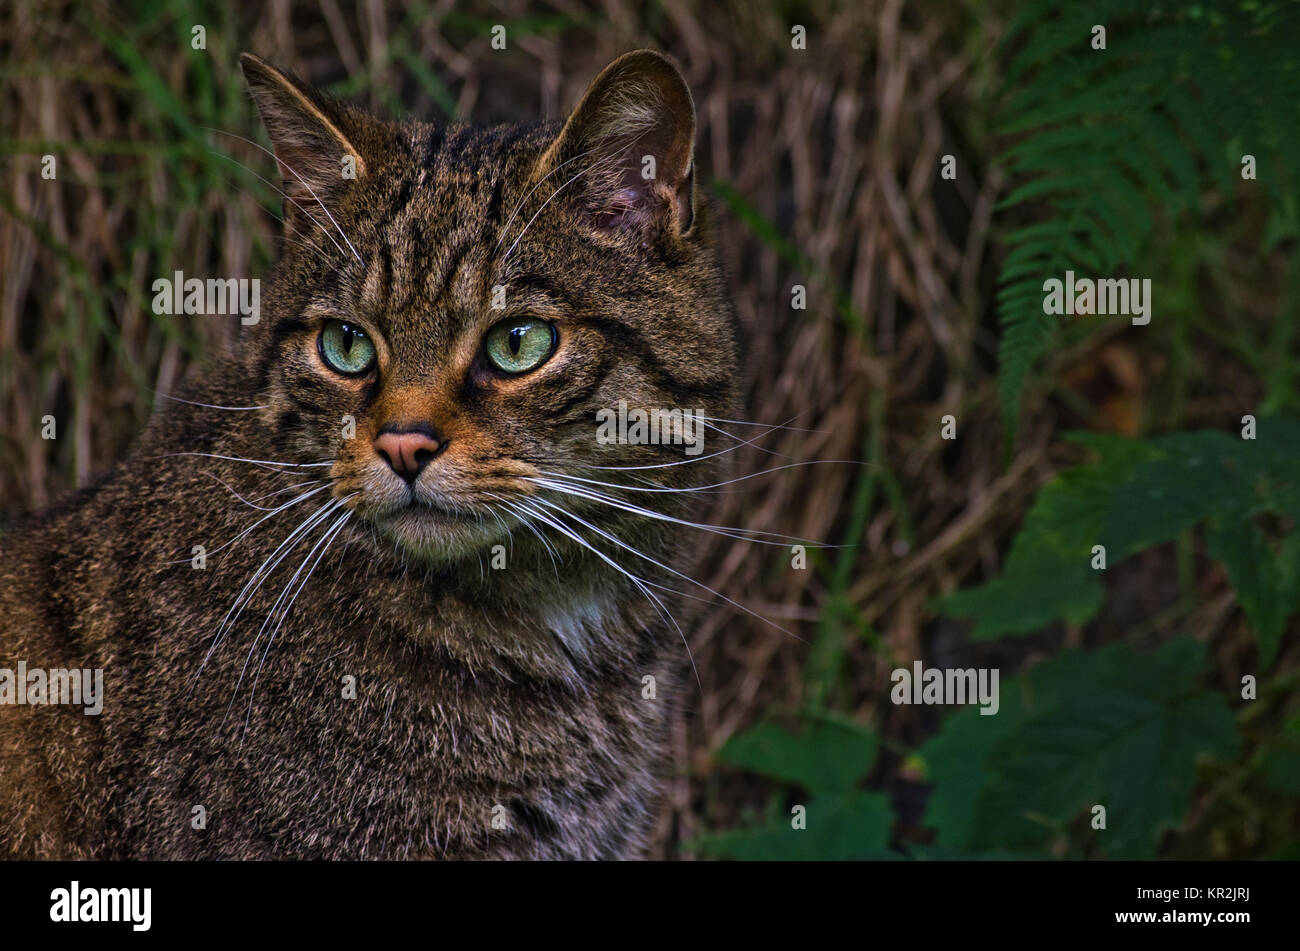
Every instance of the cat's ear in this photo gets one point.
(631, 142)
(313, 136)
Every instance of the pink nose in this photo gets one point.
(409, 451)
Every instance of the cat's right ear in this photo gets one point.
(316, 139)
(629, 146)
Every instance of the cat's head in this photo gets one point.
(457, 308)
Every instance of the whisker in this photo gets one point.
(315, 249)
(639, 554)
(511, 250)
(231, 490)
(712, 455)
(320, 252)
(259, 576)
(727, 531)
(281, 508)
(505, 229)
(588, 169)
(718, 485)
(325, 540)
(676, 591)
(510, 538)
(300, 179)
(641, 583)
(741, 443)
(256, 462)
(287, 488)
(168, 396)
(527, 523)
(785, 425)
(282, 194)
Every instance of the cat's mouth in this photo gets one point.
(438, 532)
(418, 512)
(423, 508)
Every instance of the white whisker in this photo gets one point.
(283, 195)
(743, 534)
(259, 576)
(717, 485)
(641, 583)
(281, 508)
(301, 180)
(713, 455)
(325, 541)
(231, 490)
(639, 554)
(745, 422)
(527, 523)
(505, 229)
(256, 462)
(168, 396)
(587, 170)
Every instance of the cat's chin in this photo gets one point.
(436, 536)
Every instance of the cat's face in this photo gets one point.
(455, 305)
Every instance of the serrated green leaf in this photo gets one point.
(1256, 577)
(848, 827)
(825, 757)
(1027, 601)
(1140, 494)
(1111, 727)
(1280, 766)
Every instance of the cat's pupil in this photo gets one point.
(347, 339)
(516, 339)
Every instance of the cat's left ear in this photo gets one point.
(317, 140)
(629, 146)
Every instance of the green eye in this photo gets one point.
(346, 348)
(520, 344)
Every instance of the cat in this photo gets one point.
(368, 587)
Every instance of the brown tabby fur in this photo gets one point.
(475, 688)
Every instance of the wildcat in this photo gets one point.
(368, 587)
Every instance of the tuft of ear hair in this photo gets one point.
(630, 144)
(311, 134)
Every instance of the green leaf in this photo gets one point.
(1197, 475)
(1048, 574)
(1144, 493)
(1280, 766)
(958, 763)
(1256, 577)
(851, 826)
(1111, 727)
(826, 757)
(1028, 600)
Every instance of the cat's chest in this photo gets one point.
(448, 749)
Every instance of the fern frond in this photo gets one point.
(1106, 142)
